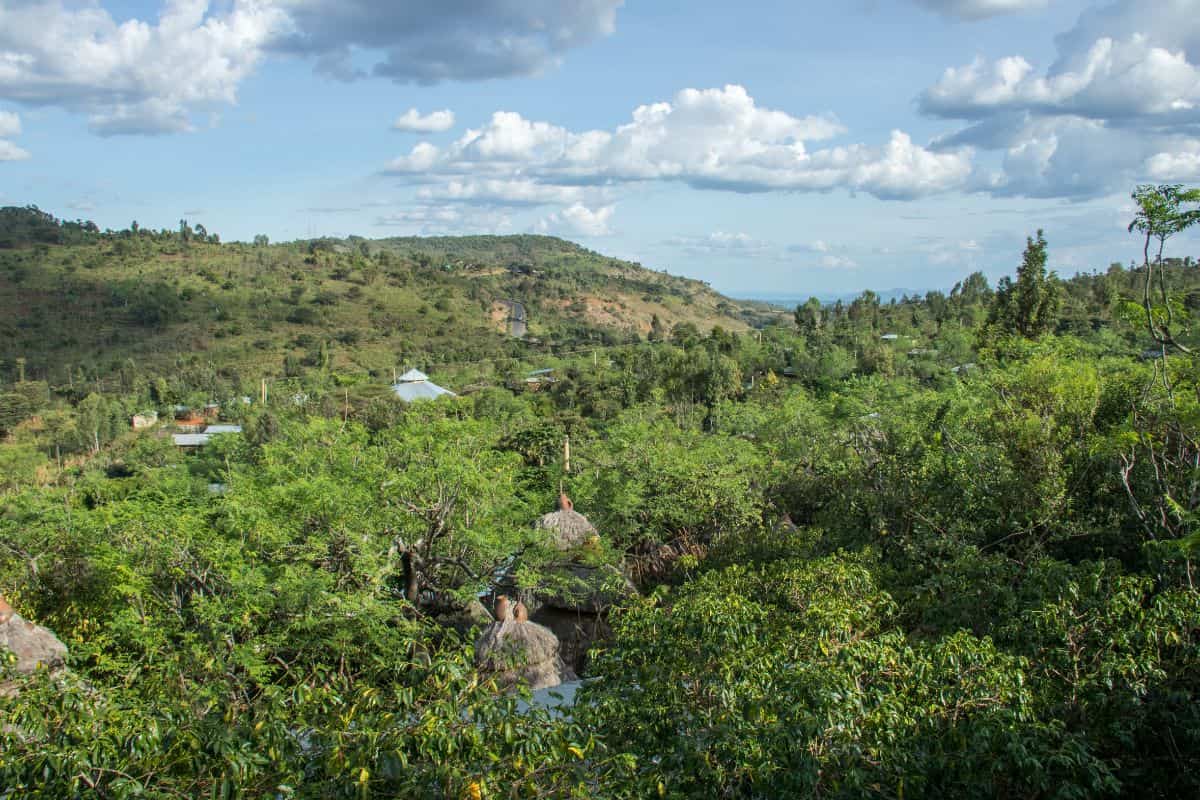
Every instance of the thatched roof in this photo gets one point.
(570, 529)
(520, 652)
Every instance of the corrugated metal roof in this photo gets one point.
(408, 391)
(190, 439)
(223, 429)
(413, 376)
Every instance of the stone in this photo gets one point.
(35, 647)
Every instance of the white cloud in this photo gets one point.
(10, 152)
(148, 77)
(1113, 79)
(578, 220)
(520, 192)
(708, 139)
(412, 121)
(831, 257)
(10, 125)
(1182, 164)
(1116, 107)
(981, 9)
(132, 76)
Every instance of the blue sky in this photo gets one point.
(771, 148)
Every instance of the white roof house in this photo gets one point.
(201, 439)
(415, 385)
(190, 439)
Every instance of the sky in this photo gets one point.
(774, 148)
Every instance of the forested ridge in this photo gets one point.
(81, 304)
(938, 546)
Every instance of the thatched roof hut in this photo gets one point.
(569, 528)
(520, 652)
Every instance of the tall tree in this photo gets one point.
(1161, 214)
(1030, 306)
(810, 317)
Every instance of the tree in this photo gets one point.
(1161, 214)
(810, 317)
(1030, 306)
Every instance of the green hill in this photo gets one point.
(75, 301)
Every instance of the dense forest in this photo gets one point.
(938, 546)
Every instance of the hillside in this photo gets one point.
(77, 302)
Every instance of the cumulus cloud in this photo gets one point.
(412, 121)
(1056, 156)
(10, 126)
(1113, 79)
(1120, 104)
(10, 152)
(578, 220)
(981, 9)
(133, 76)
(708, 139)
(146, 77)
(429, 41)
(1181, 164)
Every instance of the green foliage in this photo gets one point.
(651, 483)
(941, 563)
(1029, 307)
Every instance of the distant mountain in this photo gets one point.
(793, 299)
(75, 301)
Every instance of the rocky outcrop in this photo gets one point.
(34, 646)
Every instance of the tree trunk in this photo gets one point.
(412, 585)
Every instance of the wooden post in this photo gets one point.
(566, 454)
(264, 391)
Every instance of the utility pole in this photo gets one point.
(567, 454)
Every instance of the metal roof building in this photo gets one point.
(415, 385)
(189, 440)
